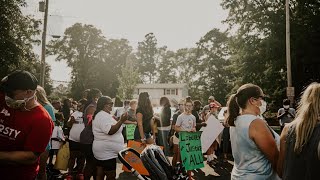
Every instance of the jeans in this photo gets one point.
(163, 140)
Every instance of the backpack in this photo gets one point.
(156, 163)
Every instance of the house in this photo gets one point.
(156, 91)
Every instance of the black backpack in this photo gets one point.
(156, 163)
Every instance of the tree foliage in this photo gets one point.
(128, 80)
(18, 36)
(147, 56)
(95, 61)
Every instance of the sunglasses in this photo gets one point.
(262, 97)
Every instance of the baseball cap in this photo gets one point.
(213, 104)
(211, 98)
(19, 80)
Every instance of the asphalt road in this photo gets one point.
(221, 172)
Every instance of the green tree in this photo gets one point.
(167, 68)
(95, 61)
(147, 56)
(128, 80)
(211, 66)
(258, 46)
(18, 36)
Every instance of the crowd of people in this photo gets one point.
(32, 129)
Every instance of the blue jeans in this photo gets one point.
(163, 140)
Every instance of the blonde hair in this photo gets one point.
(41, 96)
(307, 116)
(132, 102)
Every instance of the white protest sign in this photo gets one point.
(210, 132)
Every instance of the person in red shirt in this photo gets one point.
(25, 127)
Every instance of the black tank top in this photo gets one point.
(305, 165)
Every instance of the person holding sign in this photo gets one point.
(131, 122)
(186, 122)
(253, 142)
(108, 139)
(211, 156)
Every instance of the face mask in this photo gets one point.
(263, 107)
(286, 106)
(17, 104)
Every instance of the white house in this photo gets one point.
(156, 91)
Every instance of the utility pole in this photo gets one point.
(43, 43)
(290, 89)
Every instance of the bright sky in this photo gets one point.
(175, 23)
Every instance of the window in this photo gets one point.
(170, 92)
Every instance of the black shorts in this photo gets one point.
(74, 146)
(108, 165)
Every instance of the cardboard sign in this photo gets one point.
(191, 150)
(130, 128)
(210, 132)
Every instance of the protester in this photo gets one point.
(285, 114)
(59, 120)
(122, 110)
(175, 139)
(211, 156)
(300, 140)
(77, 126)
(108, 139)
(144, 116)
(253, 142)
(186, 122)
(132, 119)
(42, 99)
(195, 112)
(225, 137)
(56, 105)
(25, 125)
(86, 136)
(163, 124)
(206, 108)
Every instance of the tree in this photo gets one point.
(167, 68)
(95, 61)
(18, 35)
(128, 80)
(211, 66)
(147, 56)
(258, 46)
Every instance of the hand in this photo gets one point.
(143, 142)
(204, 124)
(124, 117)
(193, 130)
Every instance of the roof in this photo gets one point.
(161, 86)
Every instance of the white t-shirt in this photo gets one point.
(106, 146)
(186, 122)
(58, 137)
(77, 127)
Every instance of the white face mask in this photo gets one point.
(263, 107)
(17, 104)
(286, 106)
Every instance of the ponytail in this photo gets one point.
(233, 110)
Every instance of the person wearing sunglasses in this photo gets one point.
(253, 142)
(108, 138)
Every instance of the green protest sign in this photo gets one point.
(130, 131)
(191, 150)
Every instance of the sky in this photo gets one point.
(175, 23)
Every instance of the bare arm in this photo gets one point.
(71, 121)
(261, 135)
(18, 157)
(282, 153)
(116, 127)
(140, 126)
